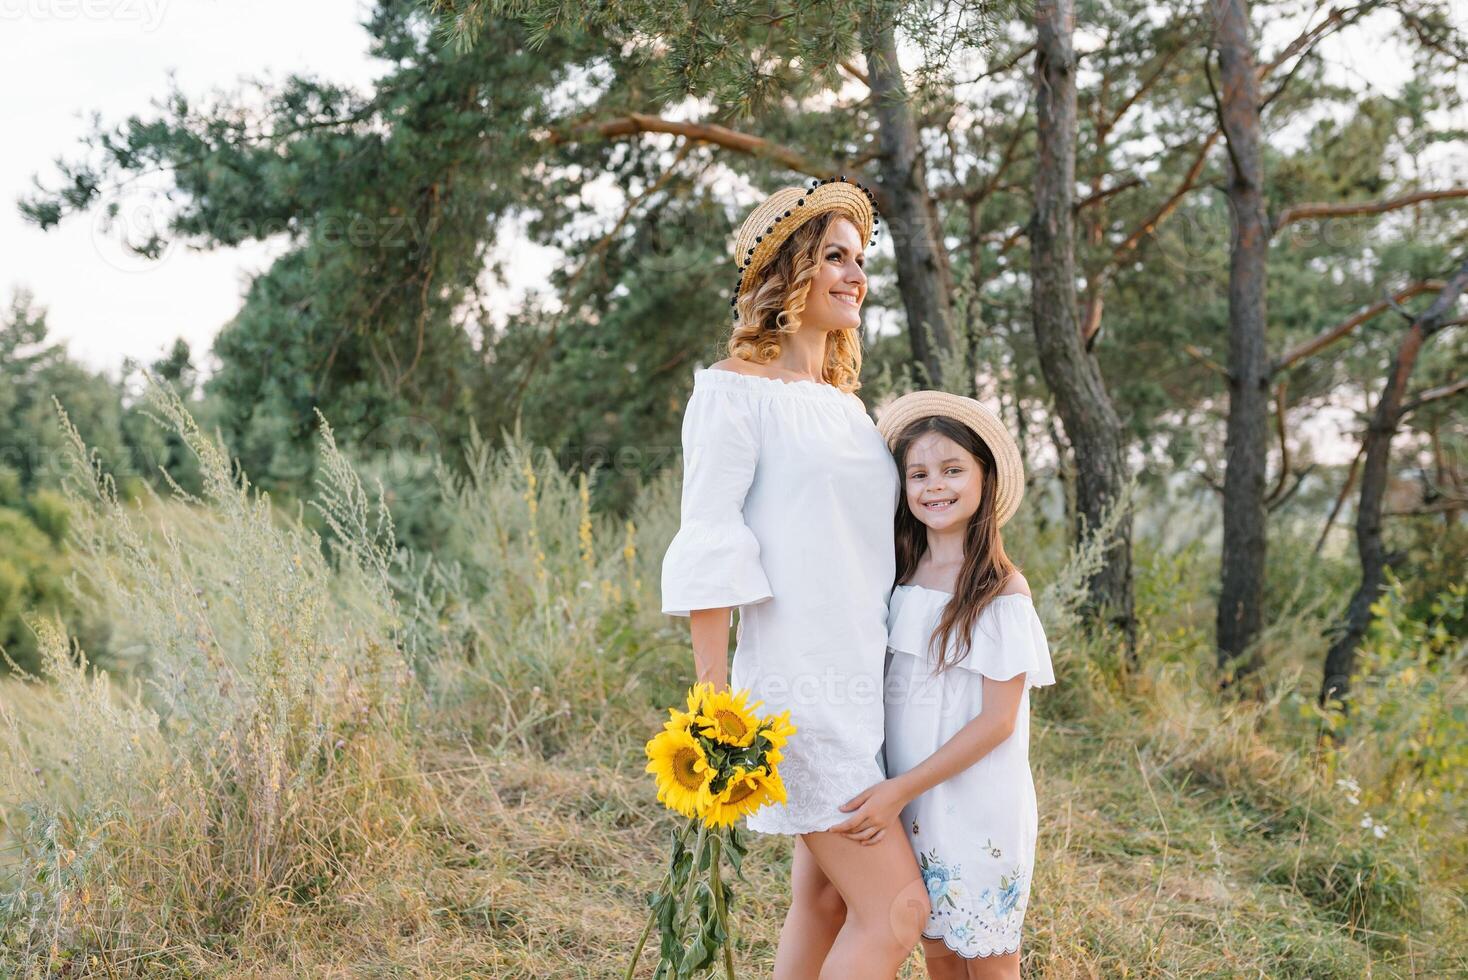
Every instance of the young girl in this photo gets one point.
(964, 647)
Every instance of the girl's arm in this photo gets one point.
(879, 806)
(710, 634)
(977, 739)
(970, 743)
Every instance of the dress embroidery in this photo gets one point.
(977, 846)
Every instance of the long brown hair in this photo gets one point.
(985, 567)
(771, 308)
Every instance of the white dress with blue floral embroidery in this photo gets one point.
(974, 834)
(787, 504)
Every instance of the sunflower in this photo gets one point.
(679, 721)
(748, 790)
(777, 730)
(726, 718)
(696, 695)
(682, 770)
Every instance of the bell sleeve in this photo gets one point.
(1009, 640)
(714, 560)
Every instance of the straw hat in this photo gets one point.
(1009, 480)
(774, 220)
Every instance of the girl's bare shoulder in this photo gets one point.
(1015, 585)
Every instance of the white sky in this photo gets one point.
(71, 58)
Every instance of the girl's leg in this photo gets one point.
(1005, 967)
(815, 917)
(943, 963)
(886, 904)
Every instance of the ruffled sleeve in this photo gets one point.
(1009, 639)
(714, 560)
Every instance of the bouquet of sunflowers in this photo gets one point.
(715, 762)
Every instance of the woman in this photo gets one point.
(787, 503)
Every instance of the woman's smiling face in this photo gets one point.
(943, 481)
(840, 283)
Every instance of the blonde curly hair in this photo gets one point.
(771, 308)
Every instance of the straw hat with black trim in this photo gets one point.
(1009, 480)
(775, 219)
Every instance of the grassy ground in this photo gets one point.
(1150, 866)
(256, 791)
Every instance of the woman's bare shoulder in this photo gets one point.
(736, 366)
(739, 366)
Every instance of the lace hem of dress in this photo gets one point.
(975, 918)
(816, 785)
(977, 954)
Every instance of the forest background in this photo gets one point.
(390, 717)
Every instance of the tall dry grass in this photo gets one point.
(254, 762)
(333, 758)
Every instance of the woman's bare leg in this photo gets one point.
(817, 911)
(886, 904)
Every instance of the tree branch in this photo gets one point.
(1314, 345)
(1106, 192)
(712, 133)
(1284, 446)
(1206, 361)
(1434, 394)
(594, 252)
(1161, 212)
(1340, 500)
(1299, 212)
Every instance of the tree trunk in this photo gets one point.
(1341, 659)
(1072, 374)
(922, 273)
(1241, 589)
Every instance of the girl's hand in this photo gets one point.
(877, 807)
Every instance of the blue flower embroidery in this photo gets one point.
(939, 878)
(1009, 895)
(974, 924)
(1000, 903)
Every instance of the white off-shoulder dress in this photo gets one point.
(787, 504)
(973, 834)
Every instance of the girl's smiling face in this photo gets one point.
(943, 482)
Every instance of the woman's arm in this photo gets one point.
(713, 563)
(710, 633)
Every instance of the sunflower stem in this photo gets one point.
(653, 915)
(641, 941)
(719, 909)
(687, 904)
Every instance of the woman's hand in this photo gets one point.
(878, 807)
